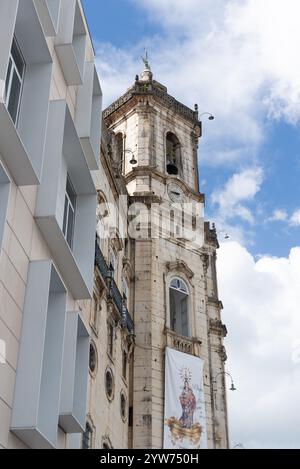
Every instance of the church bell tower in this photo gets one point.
(178, 382)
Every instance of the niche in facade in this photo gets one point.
(173, 154)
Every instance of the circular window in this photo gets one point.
(123, 405)
(109, 383)
(93, 358)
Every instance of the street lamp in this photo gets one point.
(210, 118)
(226, 235)
(132, 162)
(232, 387)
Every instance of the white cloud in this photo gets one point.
(295, 218)
(261, 310)
(241, 187)
(279, 215)
(237, 59)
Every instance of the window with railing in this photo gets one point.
(179, 307)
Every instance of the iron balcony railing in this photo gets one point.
(113, 290)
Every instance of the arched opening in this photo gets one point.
(173, 154)
(179, 307)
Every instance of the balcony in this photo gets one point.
(113, 292)
(190, 345)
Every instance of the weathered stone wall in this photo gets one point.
(144, 126)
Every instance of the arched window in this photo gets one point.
(173, 154)
(179, 306)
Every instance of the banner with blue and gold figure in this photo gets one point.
(185, 421)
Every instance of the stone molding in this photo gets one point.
(180, 266)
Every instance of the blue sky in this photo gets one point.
(239, 60)
(126, 26)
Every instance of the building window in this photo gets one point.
(87, 437)
(93, 358)
(123, 405)
(14, 81)
(124, 364)
(109, 384)
(179, 296)
(69, 212)
(110, 339)
(173, 154)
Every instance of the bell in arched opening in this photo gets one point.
(173, 154)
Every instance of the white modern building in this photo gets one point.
(50, 115)
(111, 341)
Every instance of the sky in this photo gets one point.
(240, 61)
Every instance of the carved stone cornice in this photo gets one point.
(153, 88)
(216, 302)
(180, 266)
(165, 179)
(217, 327)
(145, 198)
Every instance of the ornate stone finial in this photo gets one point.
(146, 61)
(146, 74)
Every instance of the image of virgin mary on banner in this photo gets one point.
(185, 423)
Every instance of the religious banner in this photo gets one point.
(185, 422)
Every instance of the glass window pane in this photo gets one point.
(172, 310)
(71, 193)
(65, 216)
(14, 97)
(184, 317)
(8, 77)
(17, 58)
(70, 229)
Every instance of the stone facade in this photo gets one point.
(144, 117)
